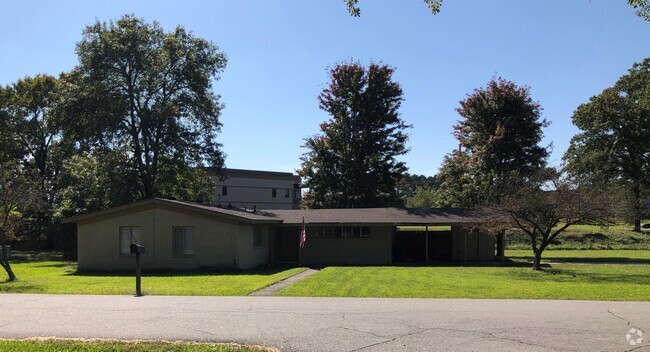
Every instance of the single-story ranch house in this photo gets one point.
(186, 235)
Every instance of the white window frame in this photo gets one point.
(134, 235)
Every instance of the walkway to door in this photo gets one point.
(273, 289)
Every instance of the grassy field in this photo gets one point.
(61, 277)
(584, 256)
(115, 346)
(585, 282)
(589, 237)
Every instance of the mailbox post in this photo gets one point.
(137, 250)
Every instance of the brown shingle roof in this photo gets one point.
(238, 214)
(392, 216)
(444, 216)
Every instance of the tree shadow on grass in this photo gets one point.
(460, 264)
(71, 265)
(19, 286)
(265, 271)
(583, 260)
(579, 276)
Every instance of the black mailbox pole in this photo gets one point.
(137, 250)
(138, 276)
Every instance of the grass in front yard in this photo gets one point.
(117, 346)
(61, 277)
(619, 236)
(585, 282)
(583, 256)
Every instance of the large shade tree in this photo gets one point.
(613, 147)
(499, 136)
(30, 135)
(20, 194)
(544, 205)
(353, 161)
(30, 131)
(146, 93)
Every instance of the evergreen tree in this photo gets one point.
(353, 162)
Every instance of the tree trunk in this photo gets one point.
(537, 260)
(5, 264)
(7, 267)
(636, 191)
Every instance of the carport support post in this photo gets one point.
(465, 231)
(138, 275)
(426, 245)
(501, 237)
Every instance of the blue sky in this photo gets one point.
(278, 50)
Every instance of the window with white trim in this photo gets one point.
(183, 238)
(128, 235)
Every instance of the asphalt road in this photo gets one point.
(333, 324)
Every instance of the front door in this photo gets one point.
(285, 245)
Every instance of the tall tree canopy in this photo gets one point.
(19, 194)
(147, 94)
(29, 129)
(614, 143)
(499, 135)
(352, 163)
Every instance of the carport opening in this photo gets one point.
(422, 245)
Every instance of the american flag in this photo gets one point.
(303, 234)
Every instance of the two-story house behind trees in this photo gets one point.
(256, 189)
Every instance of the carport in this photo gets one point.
(380, 236)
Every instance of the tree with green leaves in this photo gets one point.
(31, 136)
(20, 194)
(544, 205)
(30, 130)
(613, 147)
(642, 8)
(353, 162)
(145, 93)
(499, 135)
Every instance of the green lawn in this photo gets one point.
(61, 277)
(620, 236)
(584, 256)
(565, 281)
(115, 346)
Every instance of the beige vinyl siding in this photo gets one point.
(214, 241)
(251, 256)
(99, 241)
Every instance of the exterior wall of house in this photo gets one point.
(223, 241)
(374, 250)
(99, 241)
(248, 188)
(253, 254)
(471, 245)
(217, 242)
